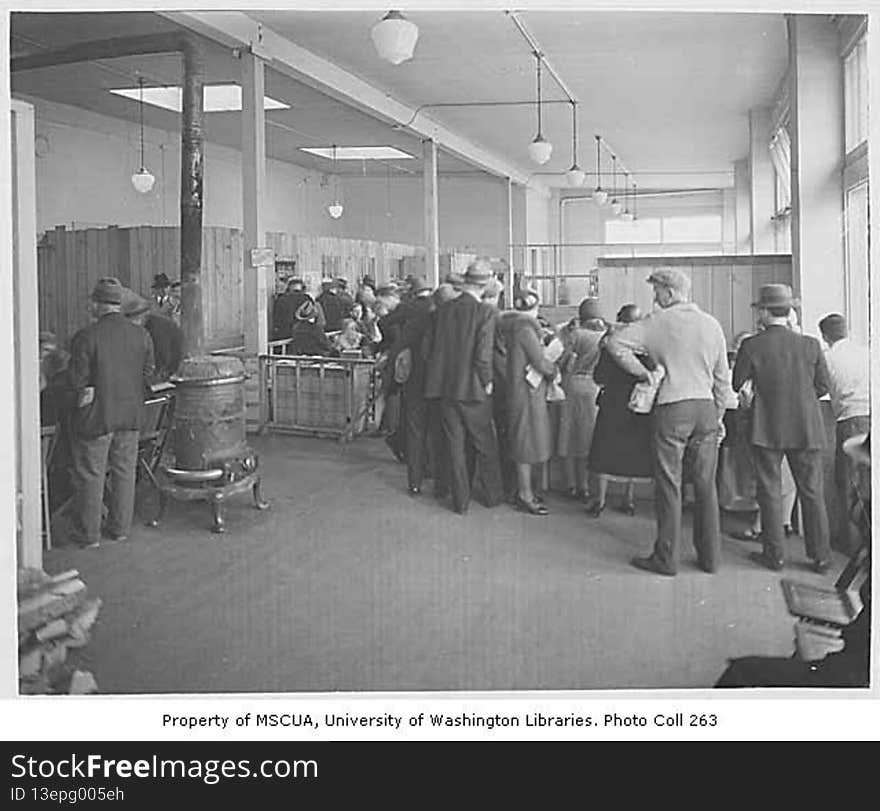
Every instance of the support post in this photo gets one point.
(762, 182)
(191, 201)
(743, 206)
(432, 228)
(508, 279)
(817, 148)
(253, 164)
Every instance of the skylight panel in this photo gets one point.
(218, 98)
(357, 153)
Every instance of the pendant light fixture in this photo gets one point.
(626, 215)
(575, 176)
(616, 205)
(335, 208)
(600, 196)
(395, 37)
(539, 149)
(143, 178)
(635, 214)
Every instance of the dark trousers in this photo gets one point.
(806, 468)
(690, 425)
(845, 472)
(469, 425)
(422, 441)
(836, 670)
(112, 460)
(508, 466)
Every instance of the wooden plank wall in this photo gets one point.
(320, 256)
(724, 286)
(70, 262)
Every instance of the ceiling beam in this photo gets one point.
(237, 30)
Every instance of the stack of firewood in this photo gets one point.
(55, 615)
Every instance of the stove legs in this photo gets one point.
(259, 503)
(160, 514)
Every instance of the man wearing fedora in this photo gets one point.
(167, 337)
(687, 413)
(459, 374)
(166, 295)
(788, 375)
(111, 364)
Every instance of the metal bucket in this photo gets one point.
(209, 413)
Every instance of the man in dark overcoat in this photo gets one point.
(459, 374)
(111, 364)
(789, 375)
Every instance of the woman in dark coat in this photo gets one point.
(528, 439)
(308, 338)
(621, 446)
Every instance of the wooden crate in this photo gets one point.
(324, 396)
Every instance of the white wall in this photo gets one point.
(85, 162)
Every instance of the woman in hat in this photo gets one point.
(578, 411)
(528, 372)
(308, 338)
(621, 442)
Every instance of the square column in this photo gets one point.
(817, 237)
(253, 176)
(743, 206)
(762, 181)
(432, 226)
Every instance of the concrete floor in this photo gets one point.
(349, 584)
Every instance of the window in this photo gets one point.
(855, 82)
(681, 234)
(857, 271)
(692, 229)
(638, 231)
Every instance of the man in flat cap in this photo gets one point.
(459, 374)
(687, 413)
(789, 375)
(111, 365)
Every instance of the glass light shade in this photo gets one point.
(335, 210)
(616, 206)
(575, 176)
(143, 180)
(395, 37)
(600, 196)
(540, 150)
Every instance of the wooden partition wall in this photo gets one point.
(70, 262)
(724, 286)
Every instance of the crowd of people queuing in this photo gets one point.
(91, 398)
(481, 399)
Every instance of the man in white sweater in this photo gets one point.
(688, 413)
(849, 369)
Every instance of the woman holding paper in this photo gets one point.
(530, 366)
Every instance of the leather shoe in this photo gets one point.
(821, 566)
(594, 509)
(533, 507)
(767, 562)
(651, 564)
(415, 490)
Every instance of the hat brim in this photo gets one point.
(854, 447)
(794, 302)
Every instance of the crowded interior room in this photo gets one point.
(439, 350)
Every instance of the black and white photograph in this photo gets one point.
(438, 350)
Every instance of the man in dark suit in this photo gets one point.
(788, 374)
(459, 374)
(111, 363)
(167, 337)
(420, 447)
